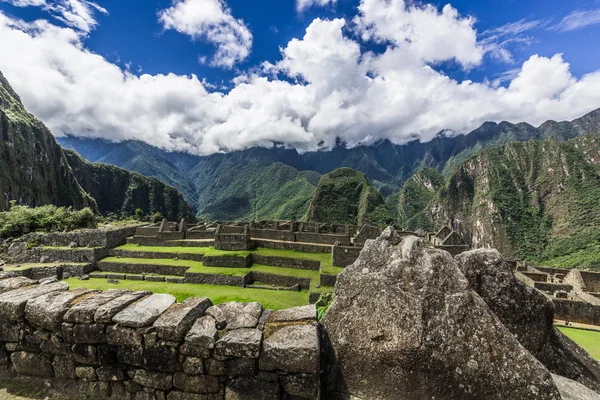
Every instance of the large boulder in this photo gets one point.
(405, 325)
(528, 314)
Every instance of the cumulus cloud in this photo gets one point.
(422, 30)
(577, 20)
(323, 87)
(210, 20)
(302, 5)
(78, 14)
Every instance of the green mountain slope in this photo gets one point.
(34, 170)
(117, 190)
(345, 196)
(530, 199)
(416, 195)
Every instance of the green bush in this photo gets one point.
(22, 219)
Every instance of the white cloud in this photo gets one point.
(331, 89)
(577, 20)
(302, 5)
(422, 30)
(78, 14)
(210, 20)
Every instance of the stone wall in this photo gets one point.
(227, 261)
(592, 281)
(273, 235)
(85, 237)
(120, 344)
(286, 262)
(576, 311)
(342, 256)
(130, 268)
(46, 254)
(155, 255)
(279, 280)
(303, 247)
(322, 238)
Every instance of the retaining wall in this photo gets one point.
(304, 247)
(216, 279)
(272, 235)
(592, 281)
(576, 311)
(328, 280)
(58, 271)
(132, 345)
(342, 256)
(77, 255)
(321, 238)
(279, 280)
(87, 237)
(155, 255)
(227, 261)
(127, 268)
(286, 262)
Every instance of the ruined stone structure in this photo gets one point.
(448, 240)
(124, 345)
(408, 321)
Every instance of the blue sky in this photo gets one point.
(209, 75)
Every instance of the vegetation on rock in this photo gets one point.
(20, 220)
(345, 196)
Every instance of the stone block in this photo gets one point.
(105, 313)
(32, 364)
(293, 348)
(240, 343)
(196, 383)
(89, 333)
(174, 323)
(111, 374)
(12, 304)
(154, 380)
(85, 354)
(156, 358)
(215, 367)
(155, 278)
(296, 314)
(6, 285)
(47, 311)
(301, 385)
(195, 351)
(144, 312)
(121, 336)
(9, 331)
(67, 332)
(86, 373)
(235, 315)
(55, 345)
(203, 333)
(107, 355)
(240, 366)
(83, 312)
(64, 367)
(193, 366)
(247, 388)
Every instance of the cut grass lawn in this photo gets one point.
(276, 300)
(589, 340)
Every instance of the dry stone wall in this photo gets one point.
(136, 345)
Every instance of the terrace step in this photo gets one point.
(155, 255)
(299, 246)
(48, 270)
(139, 268)
(156, 241)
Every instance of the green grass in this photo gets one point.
(329, 270)
(276, 300)
(589, 340)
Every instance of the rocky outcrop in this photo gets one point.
(404, 324)
(529, 315)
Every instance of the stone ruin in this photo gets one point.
(408, 321)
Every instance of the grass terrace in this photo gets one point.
(589, 340)
(276, 300)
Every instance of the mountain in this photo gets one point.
(345, 196)
(236, 185)
(416, 195)
(34, 170)
(535, 200)
(119, 191)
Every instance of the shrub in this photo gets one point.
(22, 219)
(156, 218)
(139, 214)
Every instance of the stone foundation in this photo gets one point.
(120, 344)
